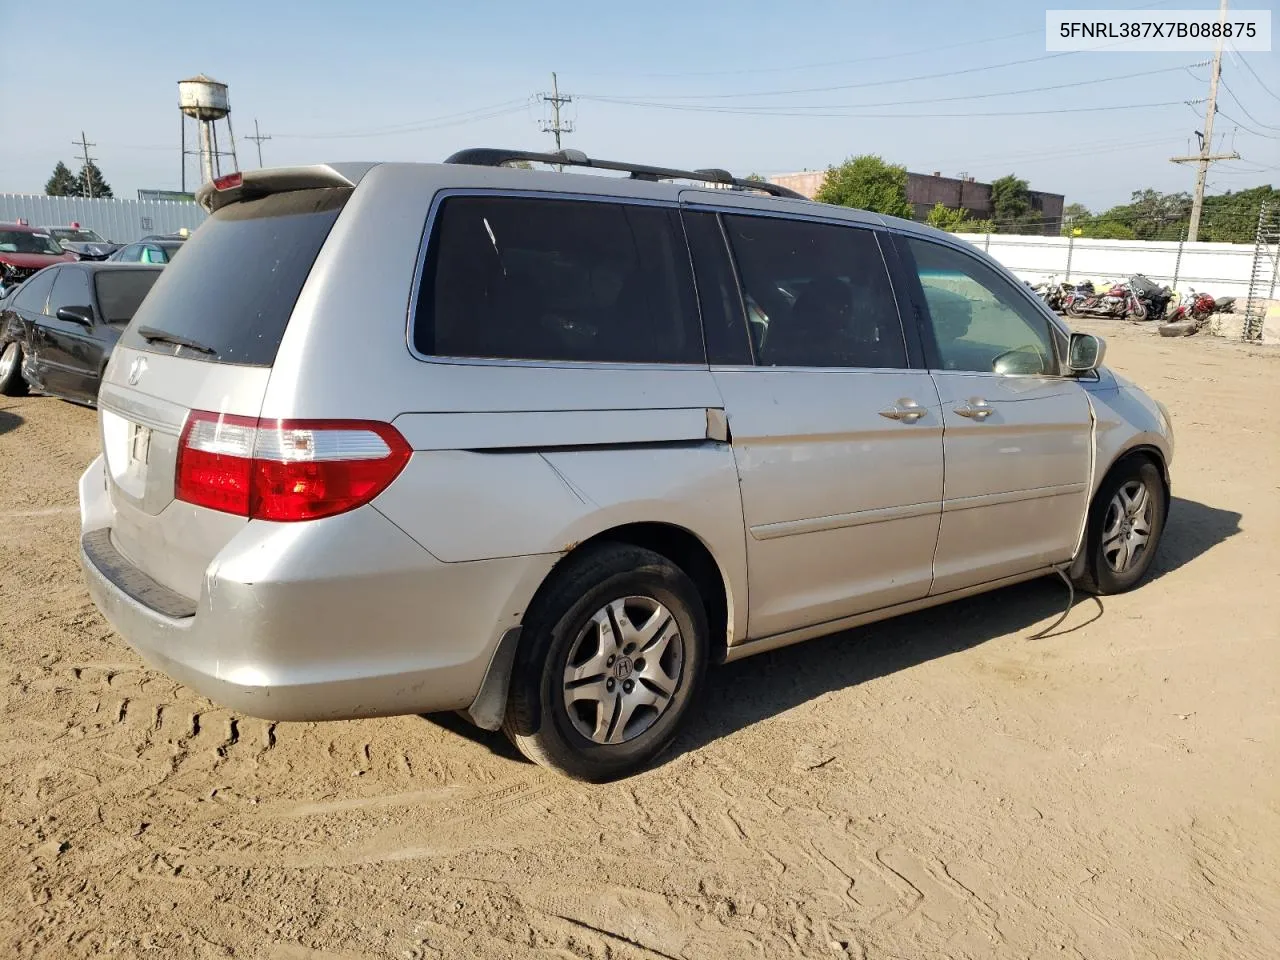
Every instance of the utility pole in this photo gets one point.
(84, 145)
(1206, 155)
(258, 138)
(556, 127)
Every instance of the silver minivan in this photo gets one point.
(541, 447)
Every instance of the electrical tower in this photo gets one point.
(84, 145)
(257, 138)
(1206, 155)
(556, 126)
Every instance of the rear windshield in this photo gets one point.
(120, 292)
(238, 278)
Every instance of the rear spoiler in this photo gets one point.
(251, 184)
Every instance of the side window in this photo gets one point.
(979, 321)
(131, 253)
(817, 294)
(154, 254)
(35, 292)
(70, 290)
(718, 298)
(537, 279)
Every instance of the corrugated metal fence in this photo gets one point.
(121, 221)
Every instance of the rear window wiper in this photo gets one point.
(152, 335)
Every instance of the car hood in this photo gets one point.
(90, 249)
(37, 260)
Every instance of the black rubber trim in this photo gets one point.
(139, 586)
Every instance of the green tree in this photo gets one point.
(91, 182)
(63, 183)
(1011, 205)
(975, 226)
(755, 177)
(945, 218)
(868, 183)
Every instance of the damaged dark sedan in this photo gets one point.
(58, 329)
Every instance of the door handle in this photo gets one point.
(975, 409)
(905, 409)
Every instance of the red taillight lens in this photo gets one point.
(228, 181)
(285, 469)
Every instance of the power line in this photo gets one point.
(257, 138)
(1039, 31)
(848, 86)
(415, 126)
(766, 110)
(1256, 133)
(895, 116)
(1269, 126)
(1248, 66)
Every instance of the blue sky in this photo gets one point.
(329, 80)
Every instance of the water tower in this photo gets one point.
(204, 101)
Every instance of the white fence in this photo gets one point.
(121, 221)
(1222, 269)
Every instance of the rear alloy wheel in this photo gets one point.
(611, 656)
(11, 382)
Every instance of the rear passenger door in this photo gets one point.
(838, 441)
(1017, 435)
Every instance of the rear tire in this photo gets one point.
(611, 657)
(11, 382)
(1126, 522)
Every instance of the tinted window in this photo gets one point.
(120, 292)
(129, 254)
(535, 279)
(818, 295)
(153, 254)
(718, 298)
(979, 320)
(71, 290)
(239, 276)
(35, 291)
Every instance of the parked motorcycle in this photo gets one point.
(1224, 305)
(1053, 293)
(1154, 297)
(1119, 301)
(1191, 314)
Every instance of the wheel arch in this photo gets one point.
(1139, 451)
(678, 544)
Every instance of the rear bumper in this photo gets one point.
(333, 619)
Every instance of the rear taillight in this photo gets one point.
(285, 469)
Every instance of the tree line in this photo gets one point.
(869, 183)
(89, 182)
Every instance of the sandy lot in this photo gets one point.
(936, 786)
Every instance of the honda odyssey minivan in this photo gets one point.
(543, 447)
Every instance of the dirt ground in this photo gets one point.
(935, 786)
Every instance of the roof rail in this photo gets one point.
(497, 157)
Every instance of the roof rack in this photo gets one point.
(497, 157)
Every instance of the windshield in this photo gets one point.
(27, 241)
(120, 292)
(76, 236)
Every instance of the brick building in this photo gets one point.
(925, 190)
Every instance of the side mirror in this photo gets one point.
(1085, 352)
(80, 315)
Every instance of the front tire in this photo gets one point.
(611, 657)
(1126, 523)
(11, 382)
